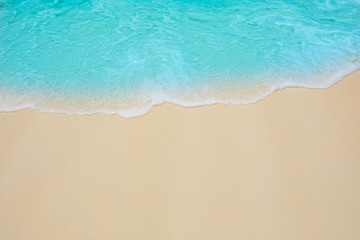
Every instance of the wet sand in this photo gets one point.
(287, 167)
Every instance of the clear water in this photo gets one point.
(122, 56)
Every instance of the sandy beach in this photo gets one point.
(287, 167)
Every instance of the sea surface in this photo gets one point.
(123, 57)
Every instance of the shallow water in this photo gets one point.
(117, 56)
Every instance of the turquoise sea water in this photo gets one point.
(122, 56)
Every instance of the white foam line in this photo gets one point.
(136, 112)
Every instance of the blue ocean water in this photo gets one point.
(124, 56)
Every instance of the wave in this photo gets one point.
(11, 103)
(123, 57)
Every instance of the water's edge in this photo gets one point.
(337, 78)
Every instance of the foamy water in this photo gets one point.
(117, 56)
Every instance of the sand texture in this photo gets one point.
(287, 167)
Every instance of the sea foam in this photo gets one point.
(123, 57)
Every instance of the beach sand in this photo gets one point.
(287, 167)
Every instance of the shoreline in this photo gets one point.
(240, 96)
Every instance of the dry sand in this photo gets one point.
(287, 167)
